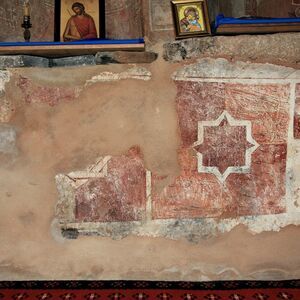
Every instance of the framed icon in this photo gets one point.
(190, 18)
(83, 20)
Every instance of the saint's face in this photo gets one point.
(191, 17)
(77, 10)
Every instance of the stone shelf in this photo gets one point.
(100, 58)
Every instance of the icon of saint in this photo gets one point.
(190, 22)
(80, 26)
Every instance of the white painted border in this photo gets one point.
(292, 144)
(148, 195)
(239, 80)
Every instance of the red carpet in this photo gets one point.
(93, 290)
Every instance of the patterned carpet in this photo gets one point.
(93, 290)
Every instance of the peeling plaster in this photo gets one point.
(221, 68)
(193, 230)
(4, 78)
(139, 73)
(6, 106)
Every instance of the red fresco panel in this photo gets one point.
(266, 106)
(224, 138)
(234, 119)
(35, 93)
(190, 110)
(118, 196)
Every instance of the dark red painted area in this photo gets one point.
(266, 106)
(260, 191)
(119, 196)
(51, 95)
(297, 126)
(196, 102)
(224, 146)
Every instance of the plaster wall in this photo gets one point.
(61, 120)
(63, 123)
(151, 19)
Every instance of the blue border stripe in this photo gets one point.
(221, 20)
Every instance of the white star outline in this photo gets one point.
(248, 155)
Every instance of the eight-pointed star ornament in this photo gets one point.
(224, 146)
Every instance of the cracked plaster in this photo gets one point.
(139, 73)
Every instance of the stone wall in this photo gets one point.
(151, 19)
(186, 168)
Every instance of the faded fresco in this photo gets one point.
(42, 19)
(124, 19)
(160, 15)
(278, 8)
(183, 168)
(183, 175)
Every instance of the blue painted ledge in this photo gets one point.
(83, 42)
(221, 20)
